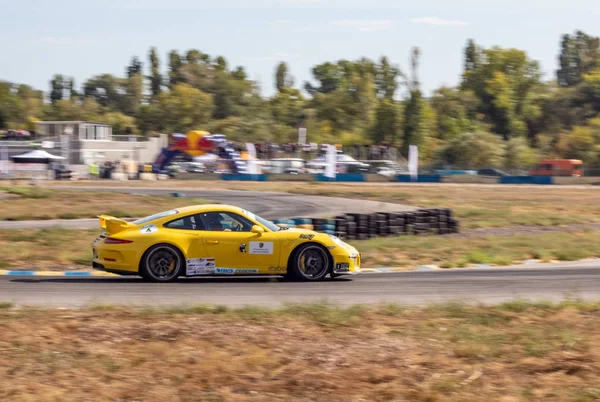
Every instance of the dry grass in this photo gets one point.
(63, 249)
(456, 251)
(476, 206)
(35, 203)
(47, 249)
(513, 352)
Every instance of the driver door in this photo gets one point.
(238, 251)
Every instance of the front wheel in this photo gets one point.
(310, 262)
(162, 263)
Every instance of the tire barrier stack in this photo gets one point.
(367, 226)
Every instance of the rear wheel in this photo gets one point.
(162, 263)
(310, 262)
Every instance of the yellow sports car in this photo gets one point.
(217, 240)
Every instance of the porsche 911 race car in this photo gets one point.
(217, 240)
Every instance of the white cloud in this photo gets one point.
(439, 22)
(364, 25)
(64, 41)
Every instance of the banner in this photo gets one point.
(251, 162)
(331, 160)
(413, 162)
(4, 166)
(301, 136)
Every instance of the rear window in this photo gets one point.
(155, 216)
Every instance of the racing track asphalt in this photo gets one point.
(270, 205)
(580, 279)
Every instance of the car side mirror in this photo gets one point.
(258, 230)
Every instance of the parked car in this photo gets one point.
(491, 172)
(193, 167)
(385, 168)
(286, 166)
(344, 164)
(559, 167)
(18, 135)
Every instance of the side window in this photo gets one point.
(225, 222)
(192, 222)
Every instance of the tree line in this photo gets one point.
(501, 114)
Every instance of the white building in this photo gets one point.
(84, 142)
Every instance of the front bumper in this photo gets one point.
(346, 263)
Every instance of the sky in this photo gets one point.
(82, 38)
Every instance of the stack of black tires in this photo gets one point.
(420, 222)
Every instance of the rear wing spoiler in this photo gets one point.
(113, 225)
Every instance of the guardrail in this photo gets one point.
(374, 178)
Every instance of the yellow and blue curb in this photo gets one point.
(363, 270)
(55, 273)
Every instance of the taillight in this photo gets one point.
(112, 240)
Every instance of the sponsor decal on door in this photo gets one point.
(259, 247)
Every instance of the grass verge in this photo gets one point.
(35, 203)
(60, 249)
(494, 250)
(517, 351)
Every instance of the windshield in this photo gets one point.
(268, 224)
(155, 216)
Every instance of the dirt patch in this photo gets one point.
(513, 352)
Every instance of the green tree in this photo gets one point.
(193, 56)
(451, 109)
(346, 95)
(184, 108)
(328, 76)
(282, 79)
(134, 86)
(107, 90)
(590, 88)
(57, 88)
(579, 143)
(386, 127)
(121, 123)
(72, 90)
(386, 78)
(503, 81)
(472, 56)
(220, 64)
(474, 150)
(287, 107)
(155, 76)
(519, 154)
(580, 53)
(175, 67)
(135, 67)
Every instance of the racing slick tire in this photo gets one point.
(162, 263)
(309, 262)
